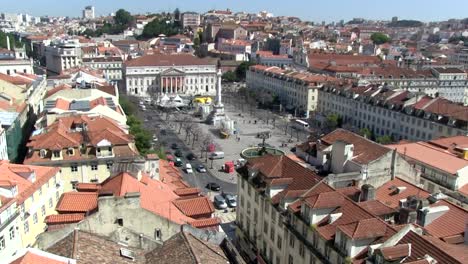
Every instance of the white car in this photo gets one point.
(188, 168)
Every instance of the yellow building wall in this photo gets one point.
(39, 205)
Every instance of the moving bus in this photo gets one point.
(299, 124)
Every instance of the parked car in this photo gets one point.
(219, 202)
(216, 155)
(178, 162)
(188, 168)
(191, 156)
(174, 146)
(163, 132)
(231, 200)
(213, 186)
(178, 153)
(155, 138)
(201, 168)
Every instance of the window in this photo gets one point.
(12, 232)
(120, 221)
(35, 218)
(301, 250)
(290, 260)
(267, 207)
(74, 184)
(26, 226)
(40, 190)
(291, 241)
(279, 242)
(51, 202)
(2, 242)
(70, 152)
(327, 251)
(56, 153)
(272, 233)
(94, 167)
(249, 192)
(109, 165)
(43, 211)
(157, 233)
(57, 195)
(74, 167)
(277, 260)
(265, 227)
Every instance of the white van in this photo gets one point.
(188, 168)
(217, 155)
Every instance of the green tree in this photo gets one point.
(380, 38)
(333, 121)
(365, 132)
(384, 140)
(159, 26)
(241, 70)
(229, 76)
(123, 17)
(128, 107)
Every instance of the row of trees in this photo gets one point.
(14, 42)
(239, 74)
(142, 136)
(160, 25)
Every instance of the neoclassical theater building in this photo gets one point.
(176, 74)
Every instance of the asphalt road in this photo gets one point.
(153, 121)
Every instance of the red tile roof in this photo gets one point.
(11, 174)
(396, 252)
(365, 150)
(324, 200)
(387, 193)
(79, 202)
(187, 191)
(365, 228)
(450, 224)
(208, 222)
(64, 218)
(432, 156)
(195, 207)
(377, 208)
(35, 256)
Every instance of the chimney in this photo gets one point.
(367, 193)
(427, 215)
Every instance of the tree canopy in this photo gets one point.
(123, 17)
(379, 38)
(405, 23)
(241, 70)
(229, 76)
(160, 26)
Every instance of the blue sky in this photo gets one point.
(313, 10)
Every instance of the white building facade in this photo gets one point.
(63, 55)
(178, 74)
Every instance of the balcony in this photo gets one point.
(10, 219)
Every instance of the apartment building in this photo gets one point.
(85, 148)
(352, 160)
(178, 74)
(396, 113)
(297, 91)
(10, 240)
(447, 82)
(63, 55)
(287, 215)
(35, 192)
(110, 66)
(443, 164)
(269, 59)
(191, 19)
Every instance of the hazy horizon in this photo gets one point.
(423, 10)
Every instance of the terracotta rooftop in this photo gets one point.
(396, 252)
(298, 178)
(432, 156)
(377, 208)
(17, 175)
(64, 218)
(389, 196)
(186, 248)
(365, 150)
(90, 248)
(450, 225)
(79, 202)
(365, 228)
(36, 256)
(325, 200)
(195, 206)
